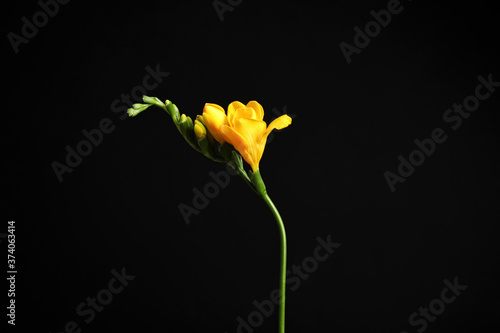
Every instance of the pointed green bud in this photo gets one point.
(187, 130)
(172, 110)
(153, 100)
(175, 111)
(137, 108)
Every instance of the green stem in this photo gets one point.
(281, 226)
(261, 188)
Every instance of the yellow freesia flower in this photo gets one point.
(243, 127)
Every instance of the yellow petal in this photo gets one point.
(234, 138)
(239, 143)
(279, 123)
(259, 110)
(231, 110)
(242, 113)
(252, 130)
(210, 107)
(214, 117)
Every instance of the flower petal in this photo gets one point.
(234, 138)
(259, 110)
(231, 109)
(214, 118)
(239, 143)
(253, 131)
(213, 108)
(279, 123)
(243, 113)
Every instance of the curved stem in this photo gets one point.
(261, 188)
(281, 226)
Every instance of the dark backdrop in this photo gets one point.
(117, 211)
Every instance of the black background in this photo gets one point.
(119, 207)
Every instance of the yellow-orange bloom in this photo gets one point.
(243, 127)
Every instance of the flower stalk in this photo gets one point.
(261, 189)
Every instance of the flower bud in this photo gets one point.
(186, 125)
(153, 100)
(172, 110)
(200, 130)
(187, 130)
(137, 108)
(210, 137)
(205, 142)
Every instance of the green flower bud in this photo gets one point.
(172, 110)
(137, 108)
(153, 100)
(187, 130)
